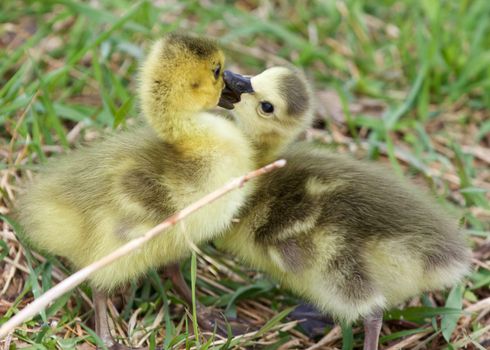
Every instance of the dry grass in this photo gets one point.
(403, 83)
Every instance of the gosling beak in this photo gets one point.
(235, 85)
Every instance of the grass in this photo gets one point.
(404, 82)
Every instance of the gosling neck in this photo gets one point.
(269, 147)
(176, 126)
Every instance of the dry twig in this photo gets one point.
(81, 275)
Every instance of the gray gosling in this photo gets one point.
(346, 235)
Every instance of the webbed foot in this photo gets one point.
(314, 322)
(208, 318)
(211, 319)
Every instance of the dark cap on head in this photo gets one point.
(295, 92)
(198, 46)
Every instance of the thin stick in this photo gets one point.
(482, 304)
(78, 277)
(334, 334)
(410, 340)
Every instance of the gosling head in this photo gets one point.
(182, 75)
(273, 108)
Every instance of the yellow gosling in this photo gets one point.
(89, 202)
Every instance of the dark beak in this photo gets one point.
(235, 85)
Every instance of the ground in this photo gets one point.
(402, 82)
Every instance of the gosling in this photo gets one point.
(347, 236)
(84, 205)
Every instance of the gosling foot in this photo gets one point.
(210, 319)
(313, 322)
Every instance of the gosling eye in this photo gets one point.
(217, 71)
(266, 107)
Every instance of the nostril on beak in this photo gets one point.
(241, 86)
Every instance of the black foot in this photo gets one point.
(314, 323)
(210, 319)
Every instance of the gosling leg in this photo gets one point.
(372, 328)
(181, 288)
(207, 318)
(102, 328)
(101, 318)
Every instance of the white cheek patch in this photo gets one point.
(245, 109)
(266, 87)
